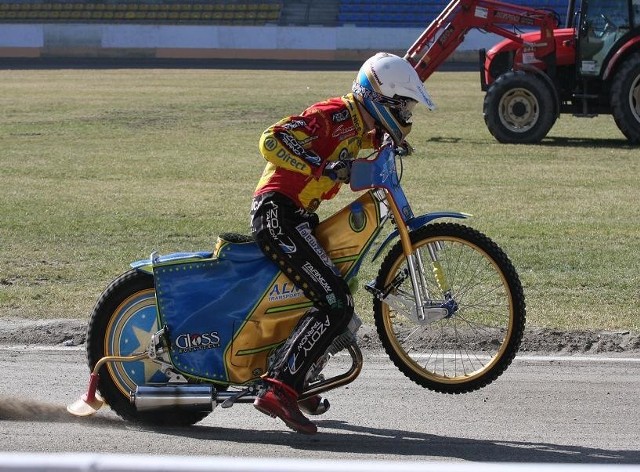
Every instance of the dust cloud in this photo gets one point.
(16, 409)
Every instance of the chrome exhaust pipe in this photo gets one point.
(192, 397)
(186, 397)
(202, 397)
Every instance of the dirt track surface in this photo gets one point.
(543, 409)
(72, 332)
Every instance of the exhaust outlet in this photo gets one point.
(186, 397)
(192, 397)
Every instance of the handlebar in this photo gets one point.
(381, 172)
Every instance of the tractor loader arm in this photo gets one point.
(448, 30)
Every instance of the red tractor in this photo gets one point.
(589, 67)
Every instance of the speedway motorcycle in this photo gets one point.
(179, 334)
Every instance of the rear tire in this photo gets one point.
(625, 98)
(519, 108)
(121, 324)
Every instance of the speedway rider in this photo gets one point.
(308, 159)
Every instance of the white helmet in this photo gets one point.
(389, 89)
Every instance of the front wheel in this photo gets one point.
(121, 324)
(470, 346)
(519, 108)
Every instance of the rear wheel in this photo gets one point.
(519, 108)
(121, 324)
(625, 98)
(474, 344)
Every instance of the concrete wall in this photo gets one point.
(209, 41)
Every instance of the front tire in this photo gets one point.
(121, 324)
(474, 345)
(625, 98)
(519, 108)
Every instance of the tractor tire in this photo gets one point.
(519, 108)
(625, 98)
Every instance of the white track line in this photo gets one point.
(595, 358)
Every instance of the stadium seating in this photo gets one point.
(416, 13)
(367, 13)
(212, 12)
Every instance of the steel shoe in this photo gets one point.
(315, 405)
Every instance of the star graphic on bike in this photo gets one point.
(143, 337)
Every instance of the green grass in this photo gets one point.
(99, 168)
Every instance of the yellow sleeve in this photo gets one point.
(370, 141)
(282, 149)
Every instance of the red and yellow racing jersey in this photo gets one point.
(298, 147)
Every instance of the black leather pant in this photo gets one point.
(284, 232)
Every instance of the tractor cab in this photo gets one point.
(600, 26)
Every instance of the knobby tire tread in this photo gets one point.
(491, 105)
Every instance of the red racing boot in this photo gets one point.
(281, 401)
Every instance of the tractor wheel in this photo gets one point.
(625, 98)
(519, 108)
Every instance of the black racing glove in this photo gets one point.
(340, 171)
(402, 149)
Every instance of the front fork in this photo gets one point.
(420, 303)
(418, 282)
(428, 309)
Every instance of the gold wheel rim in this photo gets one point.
(413, 364)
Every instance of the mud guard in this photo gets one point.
(419, 222)
(146, 265)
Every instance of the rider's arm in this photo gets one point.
(280, 146)
(372, 140)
